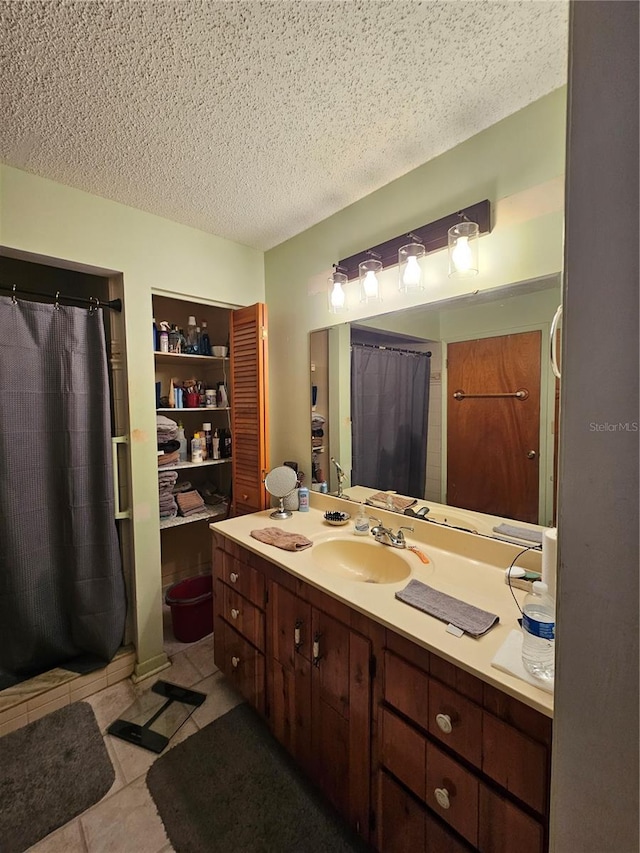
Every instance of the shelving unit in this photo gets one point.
(186, 552)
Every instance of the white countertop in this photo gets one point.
(463, 565)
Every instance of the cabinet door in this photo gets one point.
(401, 821)
(290, 675)
(248, 338)
(341, 717)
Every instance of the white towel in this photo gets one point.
(508, 658)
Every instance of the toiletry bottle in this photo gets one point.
(208, 442)
(164, 337)
(156, 340)
(205, 340)
(182, 450)
(196, 448)
(215, 445)
(361, 525)
(303, 499)
(192, 336)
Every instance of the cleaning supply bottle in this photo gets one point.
(361, 525)
(215, 445)
(192, 336)
(164, 337)
(196, 448)
(182, 450)
(539, 632)
(208, 442)
(205, 341)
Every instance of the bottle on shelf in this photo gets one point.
(205, 341)
(164, 336)
(182, 450)
(192, 336)
(539, 632)
(215, 445)
(207, 451)
(196, 448)
(174, 339)
(156, 340)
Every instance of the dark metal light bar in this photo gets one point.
(433, 236)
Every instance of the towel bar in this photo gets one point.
(521, 394)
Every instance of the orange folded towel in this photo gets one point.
(399, 504)
(286, 541)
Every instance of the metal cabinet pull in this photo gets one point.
(233, 577)
(235, 662)
(442, 797)
(317, 657)
(297, 635)
(234, 613)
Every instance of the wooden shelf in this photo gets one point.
(179, 466)
(178, 358)
(198, 409)
(206, 514)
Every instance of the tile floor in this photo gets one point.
(126, 820)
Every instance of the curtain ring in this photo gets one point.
(94, 304)
(13, 295)
(56, 304)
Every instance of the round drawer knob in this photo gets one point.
(233, 577)
(235, 661)
(234, 613)
(444, 723)
(442, 796)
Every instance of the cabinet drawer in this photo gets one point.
(247, 619)
(456, 722)
(406, 688)
(247, 581)
(504, 827)
(243, 665)
(515, 761)
(453, 793)
(403, 751)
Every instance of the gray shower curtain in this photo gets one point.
(389, 417)
(62, 592)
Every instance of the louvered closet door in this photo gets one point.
(248, 337)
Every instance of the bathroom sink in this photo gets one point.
(361, 560)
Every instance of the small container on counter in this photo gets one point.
(303, 499)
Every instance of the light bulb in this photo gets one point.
(370, 285)
(461, 255)
(337, 295)
(412, 272)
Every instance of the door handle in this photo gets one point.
(531, 454)
(115, 441)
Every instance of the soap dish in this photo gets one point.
(336, 518)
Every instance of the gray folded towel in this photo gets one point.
(519, 533)
(465, 616)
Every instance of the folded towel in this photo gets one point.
(169, 458)
(168, 446)
(189, 502)
(167, 477)
(388, 500)
(286, 541)
(465, 616)
(508, 658)
(519, 533)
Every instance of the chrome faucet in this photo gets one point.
(388, 537)
(341, 476)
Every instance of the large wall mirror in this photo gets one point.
(453, 403)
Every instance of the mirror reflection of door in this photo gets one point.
(492, 435)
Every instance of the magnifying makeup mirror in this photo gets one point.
(280, 482)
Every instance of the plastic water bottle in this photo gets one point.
(539, 632)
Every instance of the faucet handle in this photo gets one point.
(401, 534)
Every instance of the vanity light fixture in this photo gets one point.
(337, 296)
(369, 285)
(410, 275)
(463, 249)
(431, 237)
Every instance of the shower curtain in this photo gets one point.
(62, 594)
(389, 416)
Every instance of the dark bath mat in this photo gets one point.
(50, 771)
(231, 786)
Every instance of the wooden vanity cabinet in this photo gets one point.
(415, 753)
(474, 757)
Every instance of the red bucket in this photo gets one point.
(191, 603)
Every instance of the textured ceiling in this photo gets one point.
(255, 120)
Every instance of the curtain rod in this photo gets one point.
(91, 301)
(393, 349)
